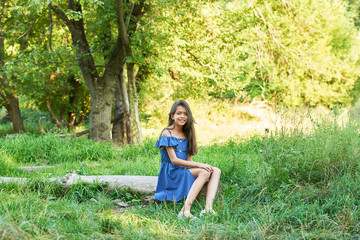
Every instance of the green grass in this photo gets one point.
(286, 185)
(72, 154)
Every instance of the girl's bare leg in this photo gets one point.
(201, 176)
(212, 187)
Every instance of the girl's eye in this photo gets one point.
(179, 113)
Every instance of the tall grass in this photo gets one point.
(51, 149)
(77, 154)
(327, 152)
(288, 184)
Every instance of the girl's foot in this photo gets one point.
(209, 211)
(185, 214)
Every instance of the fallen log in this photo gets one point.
(135, 183)
(142, 184)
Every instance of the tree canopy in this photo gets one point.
(106, 58)
(294, 53)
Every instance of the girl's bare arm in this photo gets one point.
(185, 163)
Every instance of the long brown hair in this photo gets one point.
(188, 129)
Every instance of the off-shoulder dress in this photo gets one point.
(174, 182)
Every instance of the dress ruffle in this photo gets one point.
(165, 141)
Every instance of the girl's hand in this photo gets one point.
(207, 167)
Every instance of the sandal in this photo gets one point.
(207, 212)
(185, 214)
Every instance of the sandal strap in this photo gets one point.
(184, 213)
(207, 211)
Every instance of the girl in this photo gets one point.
(179, 175)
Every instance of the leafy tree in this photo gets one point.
(12, 22)
(35, 61)
(97, 21)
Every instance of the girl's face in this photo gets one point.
(180, 116)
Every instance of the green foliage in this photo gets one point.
(34, 116)
(32, 119)
(354, 11)
(298, 53)
(41, 67)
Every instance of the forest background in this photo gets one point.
(115, 64)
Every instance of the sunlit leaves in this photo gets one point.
(296, 53)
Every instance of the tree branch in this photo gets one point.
(60, 13)
(122, 26)
(50, 27)
(129, 17)
(2, 34)
(77, 30)
(26, 36)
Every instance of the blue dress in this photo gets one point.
(174, 182)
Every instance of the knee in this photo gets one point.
(205, 174)
(216, 171)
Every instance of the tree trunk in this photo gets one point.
(100, 114)
(51, 113)
(126, 107)
(14, 112)
(118, 132)
(129, 114)
(71, 120)
(131, 79)
(2, 34)
(124, 34)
